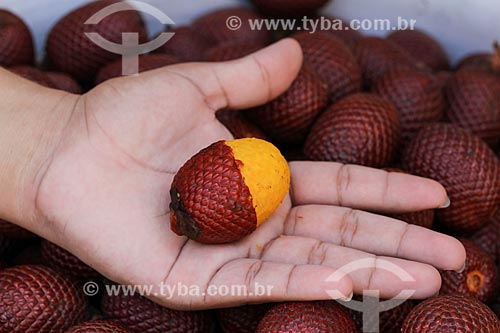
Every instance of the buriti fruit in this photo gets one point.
(186, 44)
(242, 319)
(239, 126)
(99, 326)
(16, 43)
(487, 62)
(453, 313)
(227, 190)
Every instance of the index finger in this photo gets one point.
(330, 183)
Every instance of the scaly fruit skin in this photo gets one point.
(16, 42)
(289, 117)
(242, 319)
(231, 50)
(11, 230)
(214, 27)
(359, 129)
(66, 263)
(147, 62)
(479, 279)
(423, 218)
(333, 61)
(451, 313)
(465, 166)
(486, 62)
(422, 47)
(99, 326)
(287, 8)
(186, 45)
(228, 189)
(349, 37)
(318, 317)
(416, 96)
(390, 321)
(54, 80)
(474, 103)
(376, 56)
(238, 125)
(144, 316)
(488, 237)
(70, 51)
(36, 299)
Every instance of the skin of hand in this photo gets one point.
(92, 174)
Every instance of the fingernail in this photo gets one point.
(348, 298)
(461, 270)
(446, 204)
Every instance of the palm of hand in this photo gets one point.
(106, 193)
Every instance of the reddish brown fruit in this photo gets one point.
(422, 47)
(376, 56)
(36, 299)
(451, 313)
(486, 62)
(333, 61)
(287, 8)
(479, 279)
(144, 316)
(238, 125)
(289, 118)
(318, 317)
(242, 319)
(416, 96)
(458, 160)
(70, 51)
(13, 231)
(214, 27)
(390, 321)
(424, 218)
(488, 237)
(231, 50)
(474, 103)
(16, 42)
(146, 63)
(66, 263)
(348, 36)
(54, 80)
(99, 326)
(186, 45)
(359, 129)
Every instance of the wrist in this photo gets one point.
(32, 122)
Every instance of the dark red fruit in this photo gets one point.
(416, 96)
(289, 117)
(486, 62)
(318, 317)
(144, 316)
(238, 125)
(348, 36)
(479, 279)
(54, 80)
(13, 231)
(16, 42)
(214, 27)
(186, 45)
(66, 263)
(231, 50)
(333, 61)
(242, 319)
(465, 166)
(359, 129)
(70, 51)
(422, 47)
(197, 210)
(376, 56)
(146, 63)
(451, 313)
(474, 103)
(99, 326)
(36, 299)
(390, 321)
(488, 237)
(287, 8)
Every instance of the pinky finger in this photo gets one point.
(263, 281)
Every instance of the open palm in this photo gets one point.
(106, 194)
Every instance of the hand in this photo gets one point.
(105, 195)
